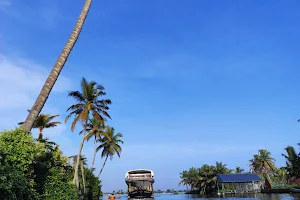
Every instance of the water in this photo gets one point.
(227, 197)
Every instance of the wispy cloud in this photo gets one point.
(5, 5)
(21, 79)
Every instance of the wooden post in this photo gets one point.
(223, 188)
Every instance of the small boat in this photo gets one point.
(295, 190)
(140, 183)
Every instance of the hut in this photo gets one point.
(240, 183)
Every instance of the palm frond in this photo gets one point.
(77, 96)
(52, 124)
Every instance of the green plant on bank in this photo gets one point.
(37, 170)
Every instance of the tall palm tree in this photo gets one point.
(43, 121)
(193, 174)
(95, 128)
(88, 104)
(110, 146)
(207, 178)
(262, 162)
(292, 162)
(53, 76)
(185, 179)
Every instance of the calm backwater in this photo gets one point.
(227, 197)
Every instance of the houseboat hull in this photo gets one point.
(140, 194)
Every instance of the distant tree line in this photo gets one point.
(203, 180)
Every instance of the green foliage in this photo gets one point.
(48, 156)
(31, 170)
(279, 177)
(43, 121)
(19, 148)
(292, 162)
(58, 186)
(110, 144)
(203, 179)
(13, 183)
(93, 191)
(262, 162)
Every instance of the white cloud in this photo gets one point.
(20, 82)
(4, 3)
(5, 6)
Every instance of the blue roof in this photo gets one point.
(237, 178)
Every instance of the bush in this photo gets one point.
(31, 170)
(58, 186)
(19, 148)
(93, 191)
(13, 183)
(17, 155)
(37, 170)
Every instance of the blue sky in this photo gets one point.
(192, 82)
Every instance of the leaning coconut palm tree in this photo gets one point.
(88, 104)
(95, 128)
(53, 76)
(43, 121)
(110, 146)
(262, 162)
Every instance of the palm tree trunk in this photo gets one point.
(75, 179)
(53, 76)
(82, 175)
(102, 167)
(40, 135)
(95, 151)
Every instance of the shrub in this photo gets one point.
(13, 183)
(93, 191)
(58, 186)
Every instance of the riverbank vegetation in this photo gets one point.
(203, 179)
(35, 168)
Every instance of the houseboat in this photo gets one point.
(140, 183)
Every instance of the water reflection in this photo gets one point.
(227, 197)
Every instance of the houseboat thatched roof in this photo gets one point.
(139, 175)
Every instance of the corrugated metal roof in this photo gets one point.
(237, 178)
